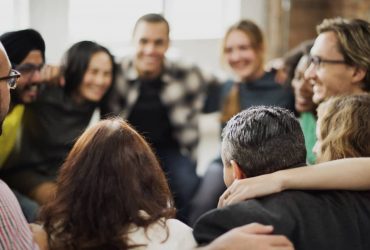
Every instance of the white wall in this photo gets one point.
(51, 19)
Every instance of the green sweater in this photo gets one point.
(308, 125)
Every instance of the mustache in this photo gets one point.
(32, 86)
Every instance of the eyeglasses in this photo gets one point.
(317, 61)
(12, 78)
(28, 68)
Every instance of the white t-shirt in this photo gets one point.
(180, 236)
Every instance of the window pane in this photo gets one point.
(110, 23)
(14, 15)
(205, 19)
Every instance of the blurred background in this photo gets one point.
(197, 27)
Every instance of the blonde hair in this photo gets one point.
(344, 124)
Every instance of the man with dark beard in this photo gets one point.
(26, 52)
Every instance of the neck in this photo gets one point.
(256, 75)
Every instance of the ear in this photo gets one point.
(358, 75)
(237, 171)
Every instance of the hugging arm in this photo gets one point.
(344, 174)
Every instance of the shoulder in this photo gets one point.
(270, 210)
(165, 235)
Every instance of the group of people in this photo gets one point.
(121, 184)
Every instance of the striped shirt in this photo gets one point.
(14, 231)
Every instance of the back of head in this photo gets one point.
(353, 42)
(76, 62)
(344, 127)
(263, 140)
(109, 176)
(19, 43)
(152, 18)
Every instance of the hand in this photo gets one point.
(39, 236)
(250, 188)
(250, 237)
(278, 65)
(51, 74)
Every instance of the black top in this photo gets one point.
(150, 117)
(311, 220)
(51, 125)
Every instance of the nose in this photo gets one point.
(36, 76)
(149, 48)
(99, 79)
(234, 56)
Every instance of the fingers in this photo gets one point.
(233, 194)
(280, 240)
(256, 228)
(50, 74)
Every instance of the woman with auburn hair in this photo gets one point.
(112, 194)
(342, 132)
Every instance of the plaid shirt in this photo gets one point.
(183, 94)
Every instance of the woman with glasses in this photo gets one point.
(58, 116)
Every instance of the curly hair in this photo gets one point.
(109, 176)
(344, 127)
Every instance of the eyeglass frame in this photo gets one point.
(12, 78)
(28, 68)
(317, 61)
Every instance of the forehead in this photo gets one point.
(33, 57)
(101, 60)
(237, 37)
(155, 30)
(326, 44)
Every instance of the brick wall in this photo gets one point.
(303, 17)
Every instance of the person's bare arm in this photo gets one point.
(250, 237)
(344, 174)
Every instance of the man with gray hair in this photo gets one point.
(262, 140)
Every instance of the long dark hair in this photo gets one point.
(76, 62)
(110, 175)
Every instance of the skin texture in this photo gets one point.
(332, 79)
(25, 91)
(241, 56)
(97, 78)
(151, 43)
(250, 237)
(4, 88)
